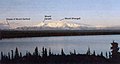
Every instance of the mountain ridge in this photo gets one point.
(58, 25)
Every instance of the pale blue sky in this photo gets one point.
(93, 12)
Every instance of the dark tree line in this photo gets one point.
(47, 57)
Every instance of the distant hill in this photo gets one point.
(113, 28)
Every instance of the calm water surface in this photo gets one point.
(68, 43)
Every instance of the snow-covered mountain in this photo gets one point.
(3, 26)
(57, 25)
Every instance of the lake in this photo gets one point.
(68, 43)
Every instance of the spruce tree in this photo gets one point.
(62, 52)
(20, 54)
(101, 54)
(16, 53)
(36, 51)
(106, 55)
(50, 52)
(88, 51)
(110, 55)
(94, 53)
(2, 56)
(12, 54)
(45, 52)
(9, 55)
(74, 51)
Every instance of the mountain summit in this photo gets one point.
(58, 24)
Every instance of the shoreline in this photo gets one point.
(49, 33)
